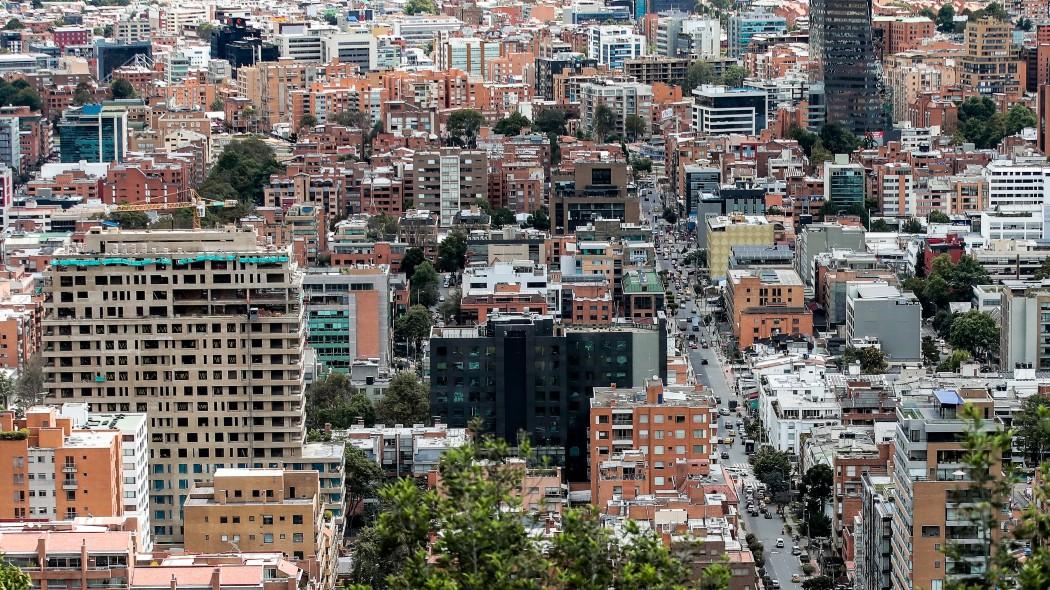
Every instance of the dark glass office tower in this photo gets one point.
(840, 40)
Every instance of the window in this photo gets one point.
(931, 531)
(297, 519)
(267, 537)
(267, 519)
(297, 537)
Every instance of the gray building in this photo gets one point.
(348, 315)
(762, 257)
(873, 533)
(700, 181)
(1025, 325)
(824, 237)
(879, 311)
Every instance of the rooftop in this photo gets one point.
(642, 282)
(766, 276)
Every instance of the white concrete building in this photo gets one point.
(520, 277)
(718, 110)
(791, 405)
(1018, 183)
(1015, 224)
(612, 44)
(624, 97)
(409, 451)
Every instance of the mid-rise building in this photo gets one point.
(818, 238)
(744, 26)
(593, 189)
(348, 315)
(661, 431)
(612, 44)
(1025, 324)
(625, 98)
(93, 133)
(528, 374)
(793, 404)
(519, 287)
(766, 304)
(446, 181)
(873, 533)
(263, 510)
(931, 490)
(469, 54)
(718, 110)
(1021, 183)
(725, 232)
(989, 65)
(406, 450)
(71, 556)
(879, 312)
(140, 320)
(844, 182)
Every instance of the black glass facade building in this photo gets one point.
(840, 37)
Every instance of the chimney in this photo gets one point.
(216, 575)
(654, 391)
(174, 584)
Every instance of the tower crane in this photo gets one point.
(195, 202)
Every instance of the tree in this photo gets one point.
(463, 126)
(670, 215)
(356, 119)
(879, 225)
(838, 139)
(330, 401)
(1019, 117)
(551, 121)
(12, 577)
(1032, 426)
(1043, 272)
(307, 120)
(331, 18)
(734, 75)
(697, 257)
(406, 401)
(424, 284)
(121, 88)
(912, 226)
(450, 308)
(206, 31)
(83, 94)
(872, 360)
(363, 478)
(819, 583)
(414, 325)
(382, 227)
(820, 154)
(699, 73)
(806, 139)
(817, 485)
(768, 463)
(19, 93)
(938, 217)
(954, 361)
(641, 165)
(931, 354)
(502, 216)
(217, 104)
(774, 210)
(29, 385)
(452, 252)
(512, 124)
(946, 19)
(1024, 24)
(974, 331)
(413, 257)
(578, 555)
(602, 123)
(14, 25)
(539, 220)
(635, 127)
(240, 173)
(421, 7)
(981, 124)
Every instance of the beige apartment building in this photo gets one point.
(264, 510)
(203, 331)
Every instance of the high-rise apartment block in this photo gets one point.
(348, 315)
(203, 331)
(841, 45)
(448, 180)
(989, 65)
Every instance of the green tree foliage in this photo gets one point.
(1032, 426)
(975, 332)
(121, 89)
(307, 120)
(217, 104)
(413, 257)
(14, 25)
(463, 126)
(770, 465)
(947, 282)
(356, 119)
(931, 354)
(206, 31)
(331, 18)
(734, 75)
(1019, 117)
(670, 215)
(413, 326)
(641, 165)
(819, 583)
(945, 19)
(382, 227)
(912, 226)
(240, 173)
(817, 486)
(540, 220)
(83, 94)
(820, 154)
(450, 308)
(954, 361)
(363, 478)
(635, 127)
(424, 284)
(699, 73)
(19, 93)
(12, 577)
(879, 225)
(838, 139)
(512, 124)
(603, 123)
(872, 360)
(332, 400)
(938, 217)
(482, 541)
(806, 139)
(501, 217)
(406, 401)
(421, 7)
(980, 123)
(696, 257)
(551, 121)
(1043, 272)
(452, 252)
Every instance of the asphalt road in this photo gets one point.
(780, 564)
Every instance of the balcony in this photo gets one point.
(69, 484)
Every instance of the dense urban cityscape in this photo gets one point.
(543, 295)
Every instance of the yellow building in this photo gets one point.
(726, 231)
(263, 510)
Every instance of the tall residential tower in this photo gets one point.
(841, 43)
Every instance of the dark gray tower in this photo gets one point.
(841, 43)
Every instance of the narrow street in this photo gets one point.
(780, 563)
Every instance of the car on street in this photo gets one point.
(775, 583)
(780, 542)
(703, 361)
(769, 515)
(796, 550)
(796, 578)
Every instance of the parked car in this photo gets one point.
(796, 550)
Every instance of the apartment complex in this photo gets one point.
(877, 312)
(348, 315)
(70, 556)
(446, 181)
(1025, 324)
(727, 232)
(406, 450)
(989, 65)
(660, 431)
(141, 321)
(263, 510)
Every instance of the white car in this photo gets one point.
(780, 542)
